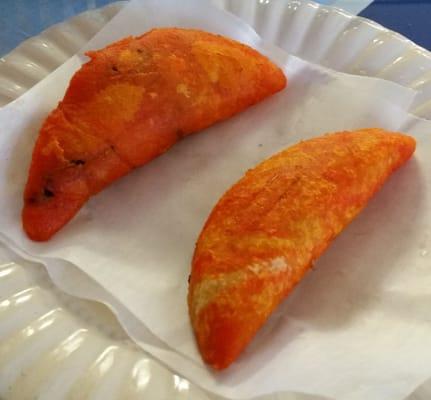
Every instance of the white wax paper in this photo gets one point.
(358, 327)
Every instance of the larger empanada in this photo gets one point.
(130, 103)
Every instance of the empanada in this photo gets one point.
(266, 231)
(130, 103)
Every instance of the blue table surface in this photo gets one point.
(412, 18)
(21, 19)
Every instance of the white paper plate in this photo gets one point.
(53, 346)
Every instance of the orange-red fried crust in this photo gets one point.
(130, 103)
(265, 232)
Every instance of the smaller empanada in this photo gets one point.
(265, 232)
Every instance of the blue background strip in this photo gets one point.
(411, 18)
(21, 19)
